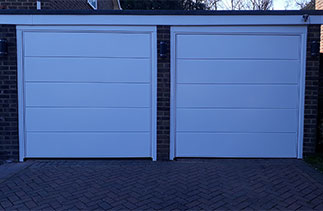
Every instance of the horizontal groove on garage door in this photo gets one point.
(138, 144)
(88, 69)
(266, 144)
(235, 120)
(283, 47)
(233, 59)
(87, 44)
(258, 96)
(275, 72)
(104, 95)
(88, 119)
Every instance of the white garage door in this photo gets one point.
(237, 91)
(89, 92)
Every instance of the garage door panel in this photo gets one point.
(88, 144)
(236, 120)
(238, 71)
(87, 44)
(237, 91)
(88, 119)
(237, 46)
(87, 69)
(236, 96)
(88, 94)
(236, 145)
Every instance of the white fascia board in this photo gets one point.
(16, 19)
(174, 20)
(315, 19)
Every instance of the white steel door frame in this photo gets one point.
(151, 30)
(300, 31)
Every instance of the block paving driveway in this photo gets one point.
(259, 184)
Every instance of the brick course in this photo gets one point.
(56, 4)
(18, 4)
(8, 96)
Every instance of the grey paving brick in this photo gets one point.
(179, 185)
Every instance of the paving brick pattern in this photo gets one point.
(145, 185)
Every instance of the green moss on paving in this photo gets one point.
(316, 161)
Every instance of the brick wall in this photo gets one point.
(163, 95)
(320, 106)
(8, 97)
(311, 92)
(319, 6)
(321, 84)
(57, 4)
(18, 4)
